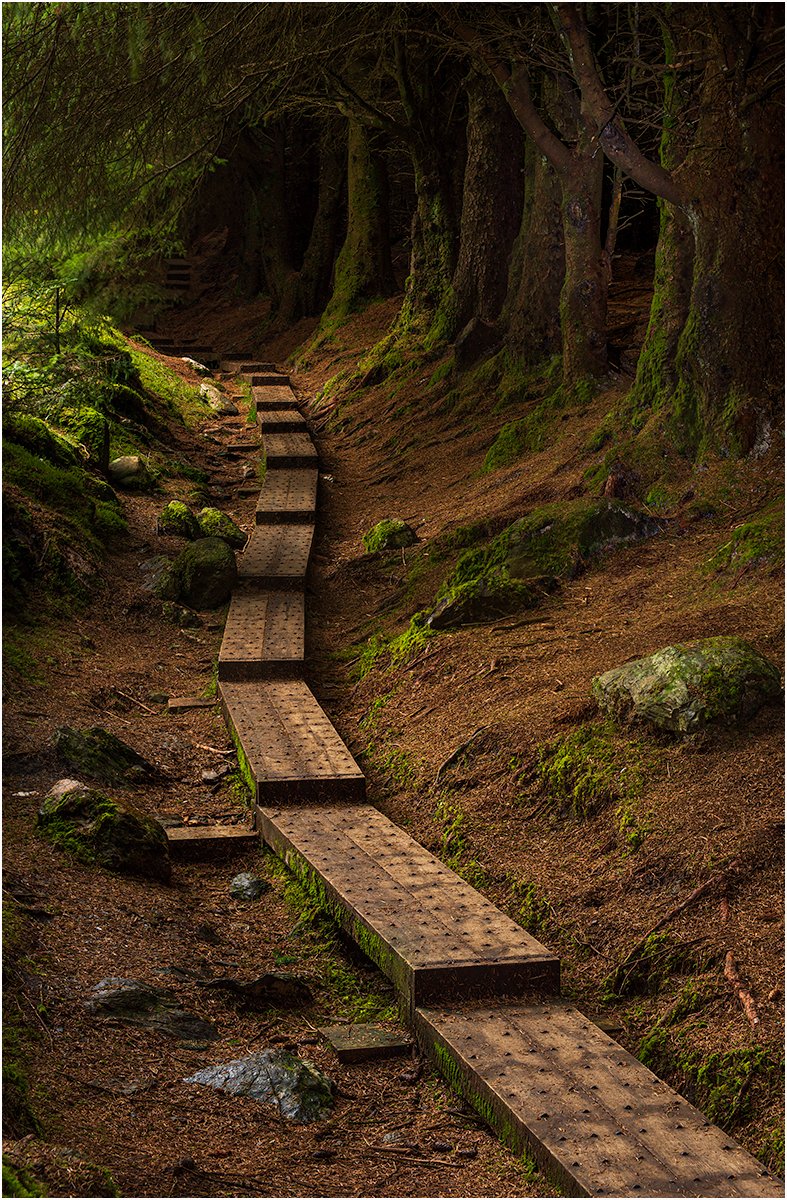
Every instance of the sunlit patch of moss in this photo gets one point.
(756, 544)
(592, 767)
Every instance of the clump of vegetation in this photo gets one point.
(591, 768)
(659, 958)
(756, 544)
(530, 907)
(530, 434)
(397, 651)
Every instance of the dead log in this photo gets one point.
(743, 994)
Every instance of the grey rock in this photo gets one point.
(205, 572)
(298, 1089)
(136, 1003)
(130, 471)
(684, 688)
(220, 404)
(100, 829)
(198, 367)
(101, 755)
(276, 989)
(248, 886)
(486, 600)
(157, 577)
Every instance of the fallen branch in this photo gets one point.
(636, 950)
(457, 754)
(133, 700)
(743, 994)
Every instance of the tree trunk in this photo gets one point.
(491, 205)
(271, 187)
(428, 297)
(712, 355)
(538, 267)
(583, 301)
(363, 268)
(315, 278)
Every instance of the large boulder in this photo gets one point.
(212, 522)
(97, 828)
(683, 688)
(204, 573)
(483, 600)
(130, 471)
(177, 520)
(136, 1003)
(298, 1089)
(390, 534)
(97, 753)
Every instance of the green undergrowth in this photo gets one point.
(381, 652)
(317, 942)
(656, 962)
(18, 1181)
(592, 768)
(537, 429)
(757, 544)
(453, 846)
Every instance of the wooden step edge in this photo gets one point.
(202, 841)
(667, 1148)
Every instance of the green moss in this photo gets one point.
(530, 907)
(756, 544)
(771, 1150)
(177, 520)
(660, 958)
(39, 439)
(389, 534)
(181, 398)
(590, 768)
(17, 1181)
(216, 524)
(532, 433)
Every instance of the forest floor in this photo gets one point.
(410, 447)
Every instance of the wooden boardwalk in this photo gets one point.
(481, 993)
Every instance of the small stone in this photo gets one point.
(247, 886)
(220, 404)
(442, 1147)
(323, 1155)
(198, 367)
(468, 1152)
(213, 776)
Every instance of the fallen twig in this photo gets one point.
(133, 700)
(457, 754)
(743, 994)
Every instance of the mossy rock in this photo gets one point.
(100, 755)
(37, 437)
(526, 561)
(485, 600)
(205, 573)
(97, 828)
(213, 523)
(684, 688)
(299, 1090)
(177, 520)
(130, 471)
(159, 577)
(390, 534)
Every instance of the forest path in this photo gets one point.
(540, 1072)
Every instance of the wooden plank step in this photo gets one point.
(287, 747)
(289, 450)
(277, 379)
(270, 398)
(431, 933)
(251, 367)
(594, 1117)
(181, 703)
(264, 635)
(206, 841)
(277, 555)
(288, 497)
(281, 420)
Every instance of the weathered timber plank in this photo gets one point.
(289, 750)
(288, 497)
(190, 842)
(181, 703)
(272, 379)
(269, 398)
(432, 934)
(289, 450)
(595, 1118)
(264, 635)
(277, 555)
(281, 420)
(251, 367)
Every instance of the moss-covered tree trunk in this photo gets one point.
(715, 320)
(363, 268)
(281, 276)
(428, 300)
(314, 284)
(583, 301)
(491, 203)
(531, 314)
